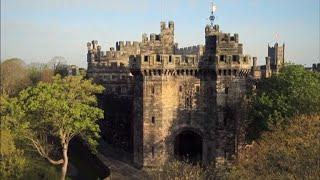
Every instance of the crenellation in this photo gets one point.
(172, 91)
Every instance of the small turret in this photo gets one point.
(171, 25)
(89, 46)
(162, 25)
(254, 62)
(94, 44)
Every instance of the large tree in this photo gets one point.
(294, 91)
(286, 153)
(17, 161)
(56, 112)
(14, 76)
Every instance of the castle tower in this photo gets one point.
(224, 57)
(276, 54)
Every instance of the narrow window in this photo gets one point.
(222, 58)
(170, 59)
(180, 88)
(153, 119)
(146, 58)
(235, 72)
(197, 89)
(152, 89)
(226, 90)
(158, 58)
(123, 90)
(234, 58)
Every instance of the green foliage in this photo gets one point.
(292, 92)
(286, 153)
(13, 163)
(62, 109)
(46, 117)
(16, 161)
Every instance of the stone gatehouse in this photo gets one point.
(163, 102)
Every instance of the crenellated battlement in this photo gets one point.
(127, 45)
(198, 87)
(198, 50)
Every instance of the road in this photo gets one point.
(120, 169)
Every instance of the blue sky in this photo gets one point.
(37, 30)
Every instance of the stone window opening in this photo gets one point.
(235, 72)
(152, 90)
(197, 89)
(123, 90)
(153, 120)
(180, 88)
(188, 103)
(146, 58)
(234, 58)
(170, 59)
(222, 58)
(224, 72)
(158, 58)
(226, 90)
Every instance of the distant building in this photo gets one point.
(315, 67)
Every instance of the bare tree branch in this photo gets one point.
(43, 152)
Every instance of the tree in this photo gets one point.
(56, 112)
(277, 99)
(14, 76)
(286, 153)
(17, 161)
(59, 65)
(40, 72)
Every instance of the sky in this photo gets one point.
(37, 30)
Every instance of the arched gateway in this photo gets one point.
(188, 146)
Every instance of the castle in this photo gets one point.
(163, 102)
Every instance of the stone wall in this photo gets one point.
(198, 89)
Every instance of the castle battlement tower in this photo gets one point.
(176, 102)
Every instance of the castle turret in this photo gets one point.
(211, 42)
(276, 54)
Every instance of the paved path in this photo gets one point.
(120, 169)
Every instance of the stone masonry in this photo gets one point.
(176, 102)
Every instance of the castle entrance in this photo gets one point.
(188, 146)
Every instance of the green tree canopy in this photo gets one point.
(17, 161)
(292, 92)
(54, 113)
